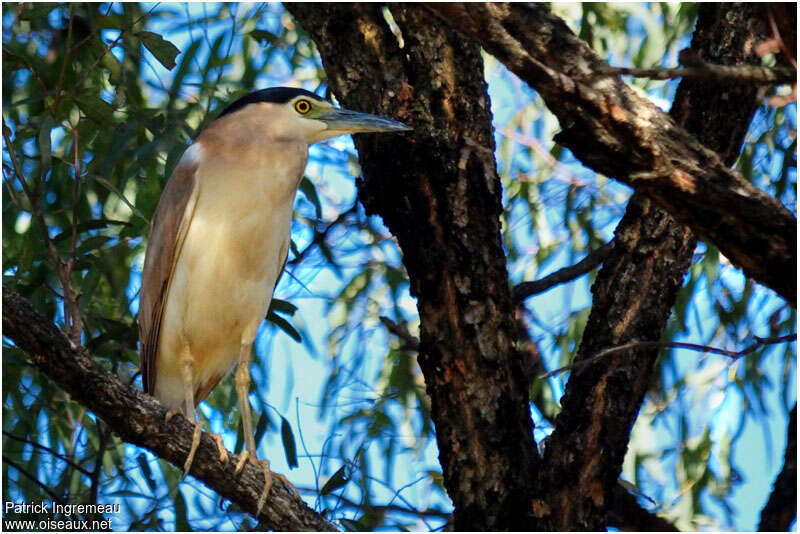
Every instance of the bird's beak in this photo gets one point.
(346, 121)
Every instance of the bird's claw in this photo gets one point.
(268, 474)
(198, 431)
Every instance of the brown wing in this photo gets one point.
(168, 230)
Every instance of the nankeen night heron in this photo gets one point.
(218, 245)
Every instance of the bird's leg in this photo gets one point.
(189, 413)
(242, 390)
(187, 368)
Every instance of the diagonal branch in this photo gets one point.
(623, 135)
(758, 343)
(524, 290)
(745, 74)
(781, 508)
(139, 419)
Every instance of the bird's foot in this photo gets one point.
(198, 431)
(264, 464)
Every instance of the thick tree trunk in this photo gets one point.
(623, 135)
(781, 507)
(438, 192)
(635, 290)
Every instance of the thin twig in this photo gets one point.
(102, 440)
(62, 269)
(45, 448)
(70, 296)
(319, 237)
(593, 259)
(387, 507)
(401, 332)
(64, 63)
(23, 472)
(32, 196)
(741, 74)
(759, 342)
(562, 171)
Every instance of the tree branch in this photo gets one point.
(618, 133)
(744, 74)
(781, 508)
(593, 259)
(757, 344)
(139, 419)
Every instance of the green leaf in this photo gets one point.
(289, 446)
(284, 325)
(96, 109)
(35, 10)
(264, 35)
(282, 306)
(164, 51)
(45, 149)
(148, 474)
(181, 520)
(92, 224)
(261, 426)
(310, 191)
(338, 480)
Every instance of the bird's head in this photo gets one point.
(297, 114)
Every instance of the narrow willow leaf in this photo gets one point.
(45, 149)
(148, 474)
(310, 192)
(289, 446)
(263, 35)
(96, 109)
(164, 51)
(282, 306)
(181, 519)
(261, 426)
(338, 480)
(284, 325)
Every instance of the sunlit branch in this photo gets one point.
(740, 74)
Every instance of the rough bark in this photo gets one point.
(634, 293)
(438, 192)
(781, 507)
(140, 419)
(622, 135)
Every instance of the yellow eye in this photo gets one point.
(302, 106)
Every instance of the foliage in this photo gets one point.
(100, 100)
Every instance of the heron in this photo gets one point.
(218, 244)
